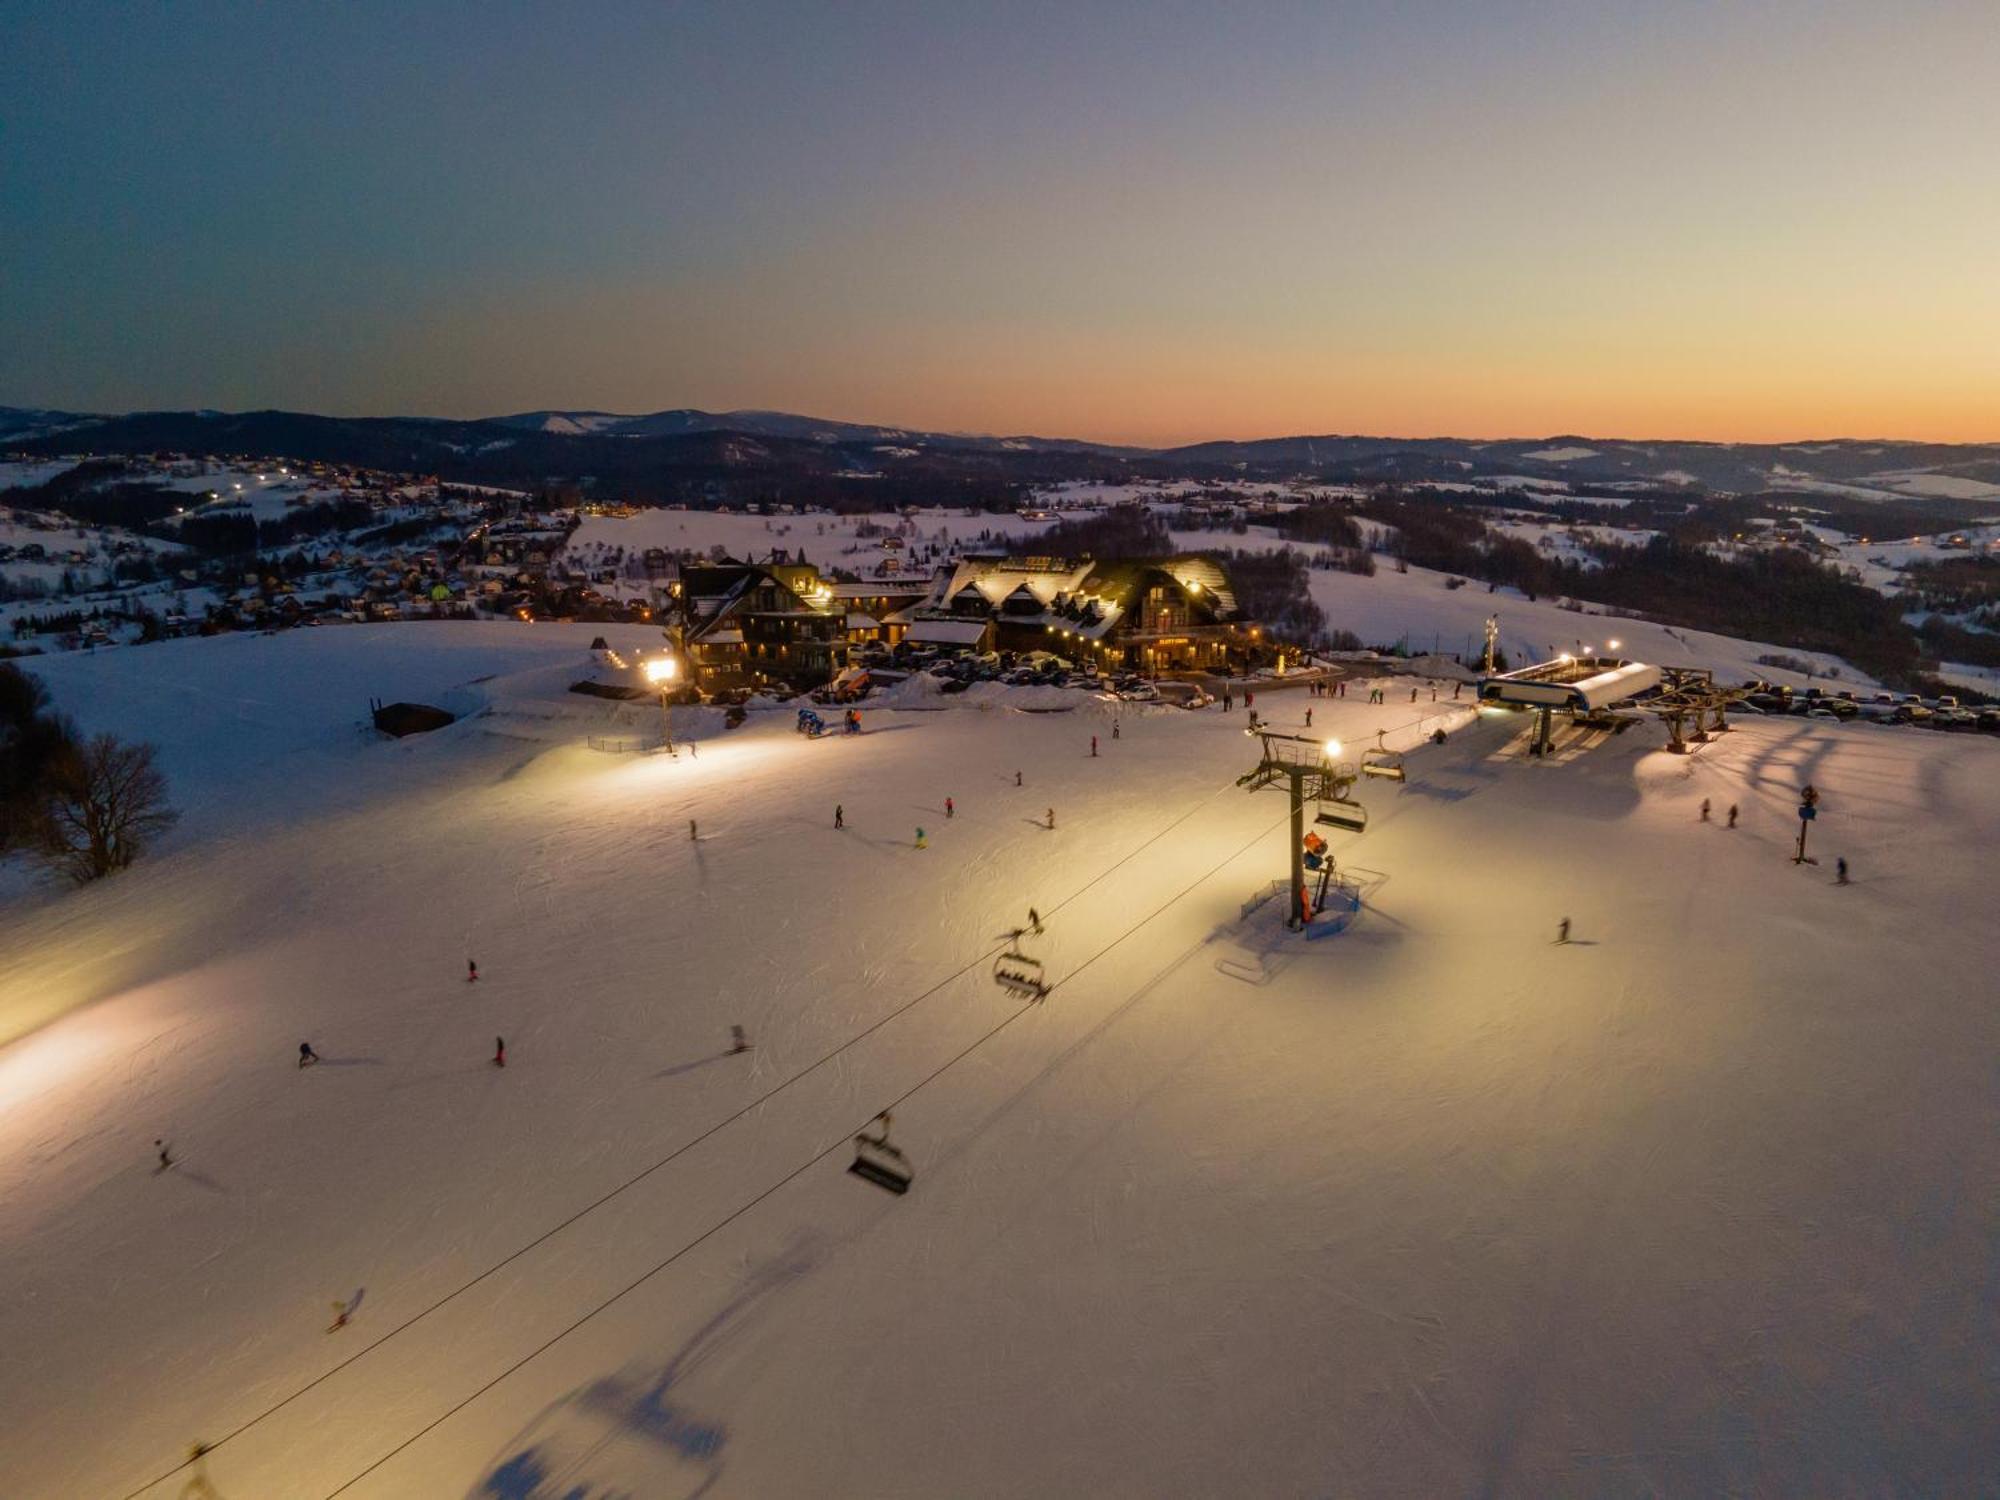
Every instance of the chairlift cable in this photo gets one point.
(633, 1181)
(792, 1176)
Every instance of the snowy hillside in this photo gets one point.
(1701, 1204)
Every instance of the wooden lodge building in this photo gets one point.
(742, 624)
(1154, 614)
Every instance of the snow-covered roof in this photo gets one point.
(948, 632)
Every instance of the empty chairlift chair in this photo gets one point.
(1339, 812)
(876, 1161)
(1387, 763)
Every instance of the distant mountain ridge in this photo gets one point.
(686, 451)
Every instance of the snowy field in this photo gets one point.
(26, 473)
(1704, 1203)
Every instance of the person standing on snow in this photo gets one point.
(1704, 809)
(1114, 728)
(738, 1042)
(839, 816)
(307, 1057)
(1093, 747)
(922, 842)
(1562, 930)
(1732, 815)
(1840, 868)
(1017, 778)
(1052, 818)
(1035, 921)
(950, 808)
(471, 972)
(499, 1052)
(1309, 718)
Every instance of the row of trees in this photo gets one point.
(1778, 595)
(86, 806)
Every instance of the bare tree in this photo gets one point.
(106, 802)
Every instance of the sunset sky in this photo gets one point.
(1147, 223)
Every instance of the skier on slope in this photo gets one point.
(922, 842)
(1035, 921)
(1093, 747)
(1562, 930)
(1052, 818)
(839, 816)
(1732, 815)
(1704, 809)
(738, 1041)
(471, 972)
(499, 1052)
(950, 808)
(307, 1057)
(1840, 869)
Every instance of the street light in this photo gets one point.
(1333, 749)
(659, 672)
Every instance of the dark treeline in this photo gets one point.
(1271, 587)
(1778, 595)
(1121, 531)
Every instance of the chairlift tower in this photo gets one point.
(1308, 769)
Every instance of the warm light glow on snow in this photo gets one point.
(46, 1059)
(660, 669)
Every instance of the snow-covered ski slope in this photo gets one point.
(1703, 1203)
